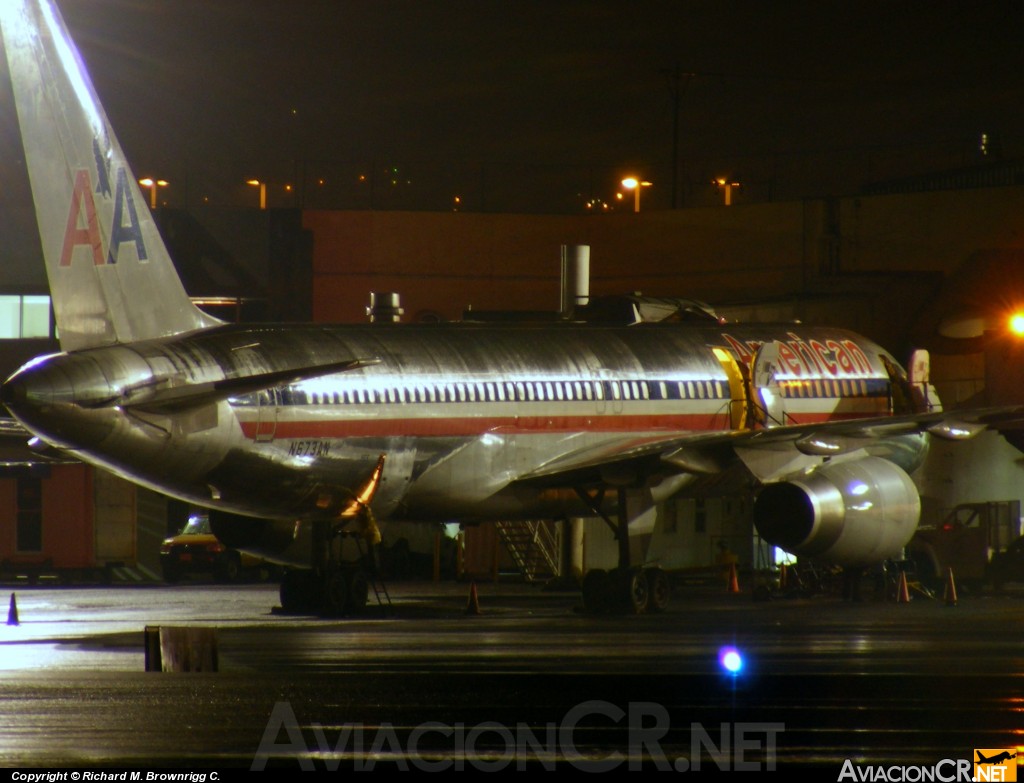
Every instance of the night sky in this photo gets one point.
(529, 105)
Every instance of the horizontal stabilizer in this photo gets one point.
(167, 397)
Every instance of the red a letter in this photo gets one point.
(75, 236)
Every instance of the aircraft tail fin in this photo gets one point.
(111, 277)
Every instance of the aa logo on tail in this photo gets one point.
(83, 228)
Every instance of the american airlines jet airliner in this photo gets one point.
(292, 435)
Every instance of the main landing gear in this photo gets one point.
(626, 589)
(339, 592)
(334, 587)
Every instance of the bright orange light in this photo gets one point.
(1017, 324)
(630, 182)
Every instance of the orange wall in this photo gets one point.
(9, 515)
(67, 519)
(445, 262)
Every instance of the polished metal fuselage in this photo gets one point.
(464, 414)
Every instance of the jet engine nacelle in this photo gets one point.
(278, 541)
(853, 513)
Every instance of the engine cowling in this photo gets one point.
(275, 540)
(852, 513)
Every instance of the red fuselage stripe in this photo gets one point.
(533, 425)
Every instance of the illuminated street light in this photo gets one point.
(1017, 324)
(636, 185)
(263, 190)
(727, 186)
(153, 185)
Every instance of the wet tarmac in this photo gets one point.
(529, 683)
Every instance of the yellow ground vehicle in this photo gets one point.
(195, 550)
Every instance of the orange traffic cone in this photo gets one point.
(902, 591)
(949, 594)
(734, 585)
(12, 613)
(473, 606)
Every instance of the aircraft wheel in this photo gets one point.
(595, 591)
(337, 594)
(171, 574)
(634, 591)
(230, 569)
(298, 593)
(659, 590)
(358, 591)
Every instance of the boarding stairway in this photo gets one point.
(533, 546)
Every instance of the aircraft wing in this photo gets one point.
(715, 452)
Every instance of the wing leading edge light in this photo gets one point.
(288, 433)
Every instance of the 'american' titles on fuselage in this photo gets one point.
(811, 358)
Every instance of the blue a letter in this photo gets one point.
(120, 233)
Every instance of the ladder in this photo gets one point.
(533, 546)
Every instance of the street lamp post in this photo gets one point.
(634, 184)
(153, 185)
(263, 191)
(726, 187)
